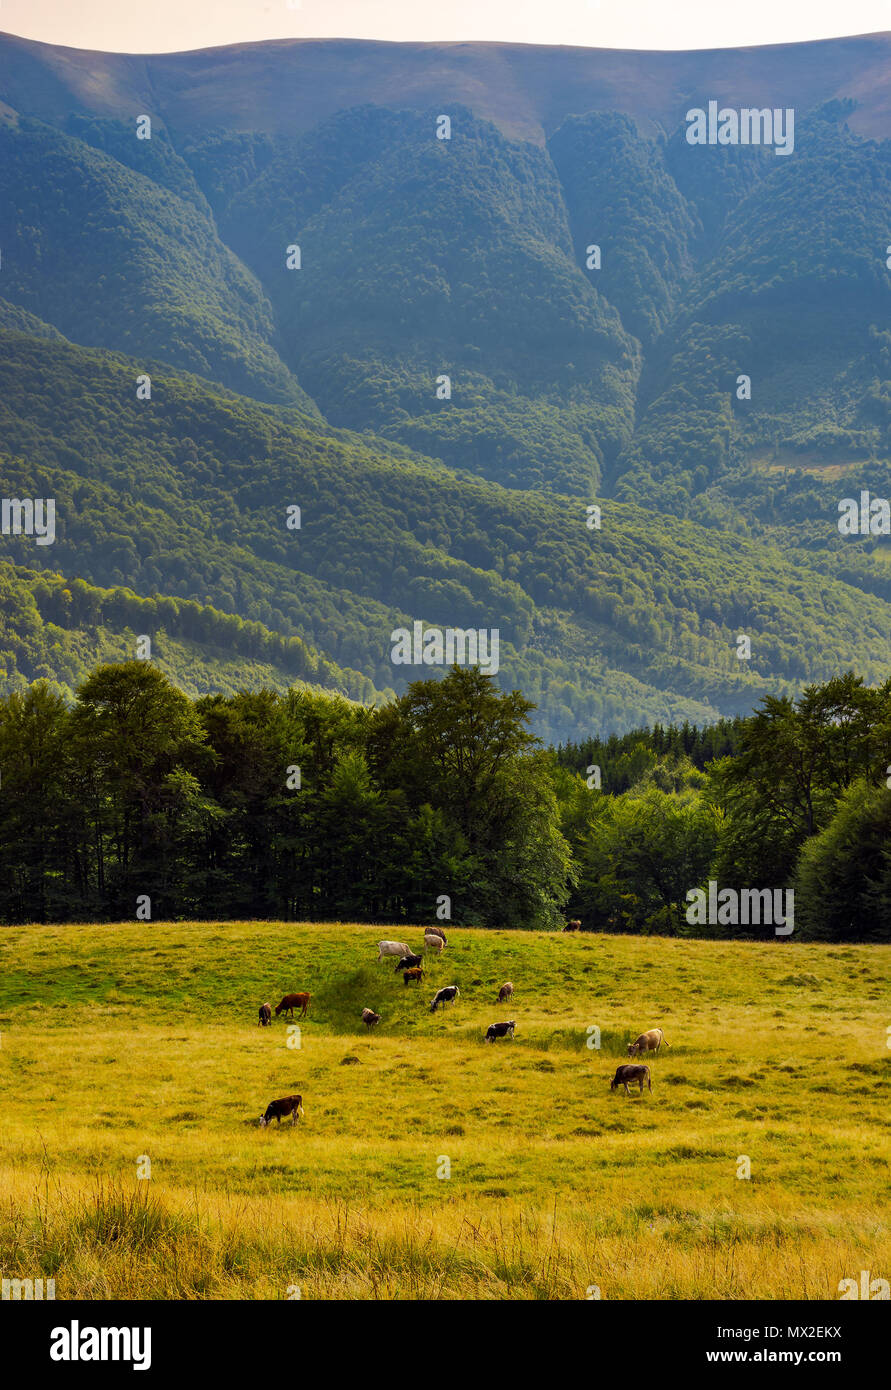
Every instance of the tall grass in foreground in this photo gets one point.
(112, 1240)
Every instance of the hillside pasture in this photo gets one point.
(430, 1164)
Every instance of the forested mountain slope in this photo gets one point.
(54, 629)
(445, 341)
(187, 495)
(111, 258)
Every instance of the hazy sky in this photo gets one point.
(155, 26)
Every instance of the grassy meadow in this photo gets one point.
(121, 1043)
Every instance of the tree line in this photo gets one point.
(133, 801)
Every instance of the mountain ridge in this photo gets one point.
(514, 85)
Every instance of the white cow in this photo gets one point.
(434, 943)
(392, 948)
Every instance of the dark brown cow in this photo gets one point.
(574, 925)
(632, 1072)
(265, 1016)
(370, 1018)
(292, 1002)
(436, 931)
(416, 973)
(290, 1105)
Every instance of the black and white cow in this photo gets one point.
(500, 1030)
(444, 996)
(409, 963)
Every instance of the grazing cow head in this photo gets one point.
(633, 1049)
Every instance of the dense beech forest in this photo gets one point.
(134, 801)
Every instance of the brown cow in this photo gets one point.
(505, 992)
(370, 1018)
(292, 1002)
(265, 1016)
(416, 973)
(631, 1072)
(650, 1041)
(290, 1105)
(437, 931)
(574, 925)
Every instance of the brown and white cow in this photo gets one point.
(650, 1041)
(505, 992)
(290, 1105)
(292, 1002)
(370, 1018)
(416, 973)
(265, 1016)
(631, 1072)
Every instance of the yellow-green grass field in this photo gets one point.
(125, 1042)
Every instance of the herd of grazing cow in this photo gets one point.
(412, 969)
